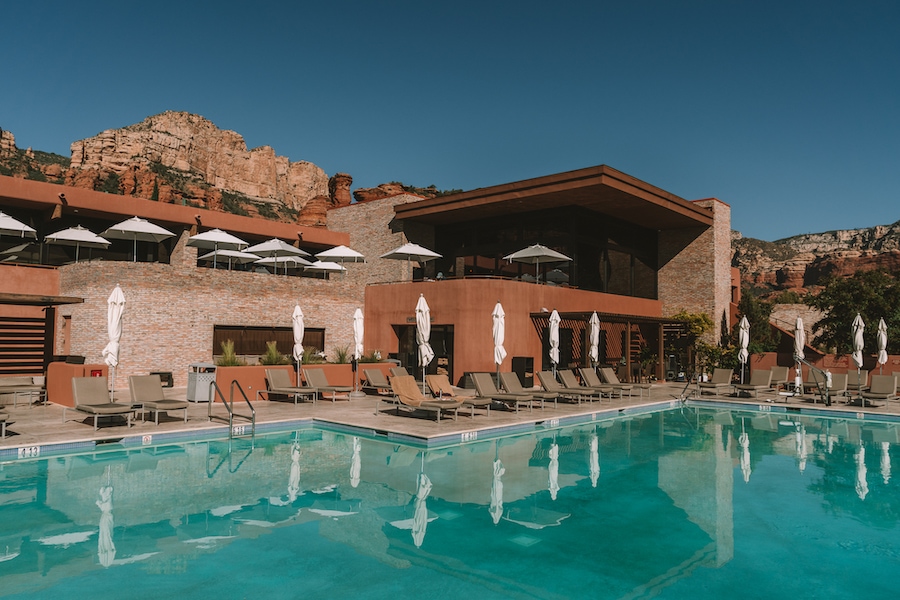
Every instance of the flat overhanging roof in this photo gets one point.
(38, 300)
(600, 189)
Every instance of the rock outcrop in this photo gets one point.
(800, 263)
(7, 144)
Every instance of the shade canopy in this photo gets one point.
(324, 266)
(412, 252)
(276, 247)
(77, 236)
(537, 255)
(216, 239)
(341, 254)
(235, 256)
(14, 227)
(284, 262)
(137, 229)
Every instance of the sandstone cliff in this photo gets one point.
(800, 263)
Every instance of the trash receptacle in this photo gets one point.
(200, 376)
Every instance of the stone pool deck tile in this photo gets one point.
(37, 425)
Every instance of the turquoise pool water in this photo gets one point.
(685, 503)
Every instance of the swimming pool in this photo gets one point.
(673, 504)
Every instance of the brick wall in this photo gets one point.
(171, 309)
(695, 273)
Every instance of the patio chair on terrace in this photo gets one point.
(610, 378)
(486, 388)
(570, 382)
(408, 394)
(550, 384)
(721, 378)
(316, 378)
(441, 387)
(858, 380)
(147, 392)
(884, 387)
(760, 379)
(376, 383)
(91, 396)
(279, 383)
(780, 377)
(511, 384)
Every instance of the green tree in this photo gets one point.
(757, 311)
(872, 294)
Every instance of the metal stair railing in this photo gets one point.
(229, 406)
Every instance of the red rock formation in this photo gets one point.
(339, 189)
(315, 214)
(385, 190)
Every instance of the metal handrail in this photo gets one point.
(826, 379)
(229, 406)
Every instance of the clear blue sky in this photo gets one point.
(787, 111)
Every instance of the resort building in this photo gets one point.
(638, 256)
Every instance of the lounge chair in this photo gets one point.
(570, 382)
(408, 394)
(3, 418)
(760, 379)
(316, 378)
(780, 377)
(441, 387)
(147, 392)
(399, 372)
(484, 385)
(91, 396)
(721, 378)
(838, 387)
(511, 384)
(610, 378)
(857, 380)
(550, 384)
(884, 387)
(376, 382)
(279, 382)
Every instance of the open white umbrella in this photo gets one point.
(496, 507)
(423, 335)
(595, 339)
(410, 252)
(278, 250)
(284, 262)
(115, 309)
(743, 344)
(14, 227)
(420, 514)
(216, 239)
(355, 463)
(106, 548)
(358, 336)
(341, 254)
(77, 236)
(237, 257)
(554, 339)
(594, 463)
(297, 327)
(324, 267)
(498, 331)
(799, 344)
(137, 229)
(862, 486)
(537, 255)
(882, 345)
(857, 329)
(553, 471)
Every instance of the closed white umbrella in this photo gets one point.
(862, 486)
(14, 227)
(410, 252)
(857, 329)
(496, 507)
(536, 255)
(595, 339)
(115, 309)
(743, 344)
(420, 514)
(554, 339)
(77, 236)
(423, 335)
(216, 239)
(238, 257)
(358, 350)
(799, 344)
(882, 344)
(355, 463)
(553, 471)
(594, 460)
(498, 332)
(297, 327)
(137, 229)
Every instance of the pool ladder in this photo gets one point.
(229, 405)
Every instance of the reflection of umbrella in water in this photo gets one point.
(420, 515)
(355, 463)
(886, 462)
(137, 229)
(77, 236)
(595, 460)
(553, 469)
(535, 518)
(106, 549)
(496, 508)
(744, 441)
(862, 487)
(801, 446)
(294, 478)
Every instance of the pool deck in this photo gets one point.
(32, 427)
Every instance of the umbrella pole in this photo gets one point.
(862, 400)
(134, 250)
(112, 392)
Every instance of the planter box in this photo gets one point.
(252, 378)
